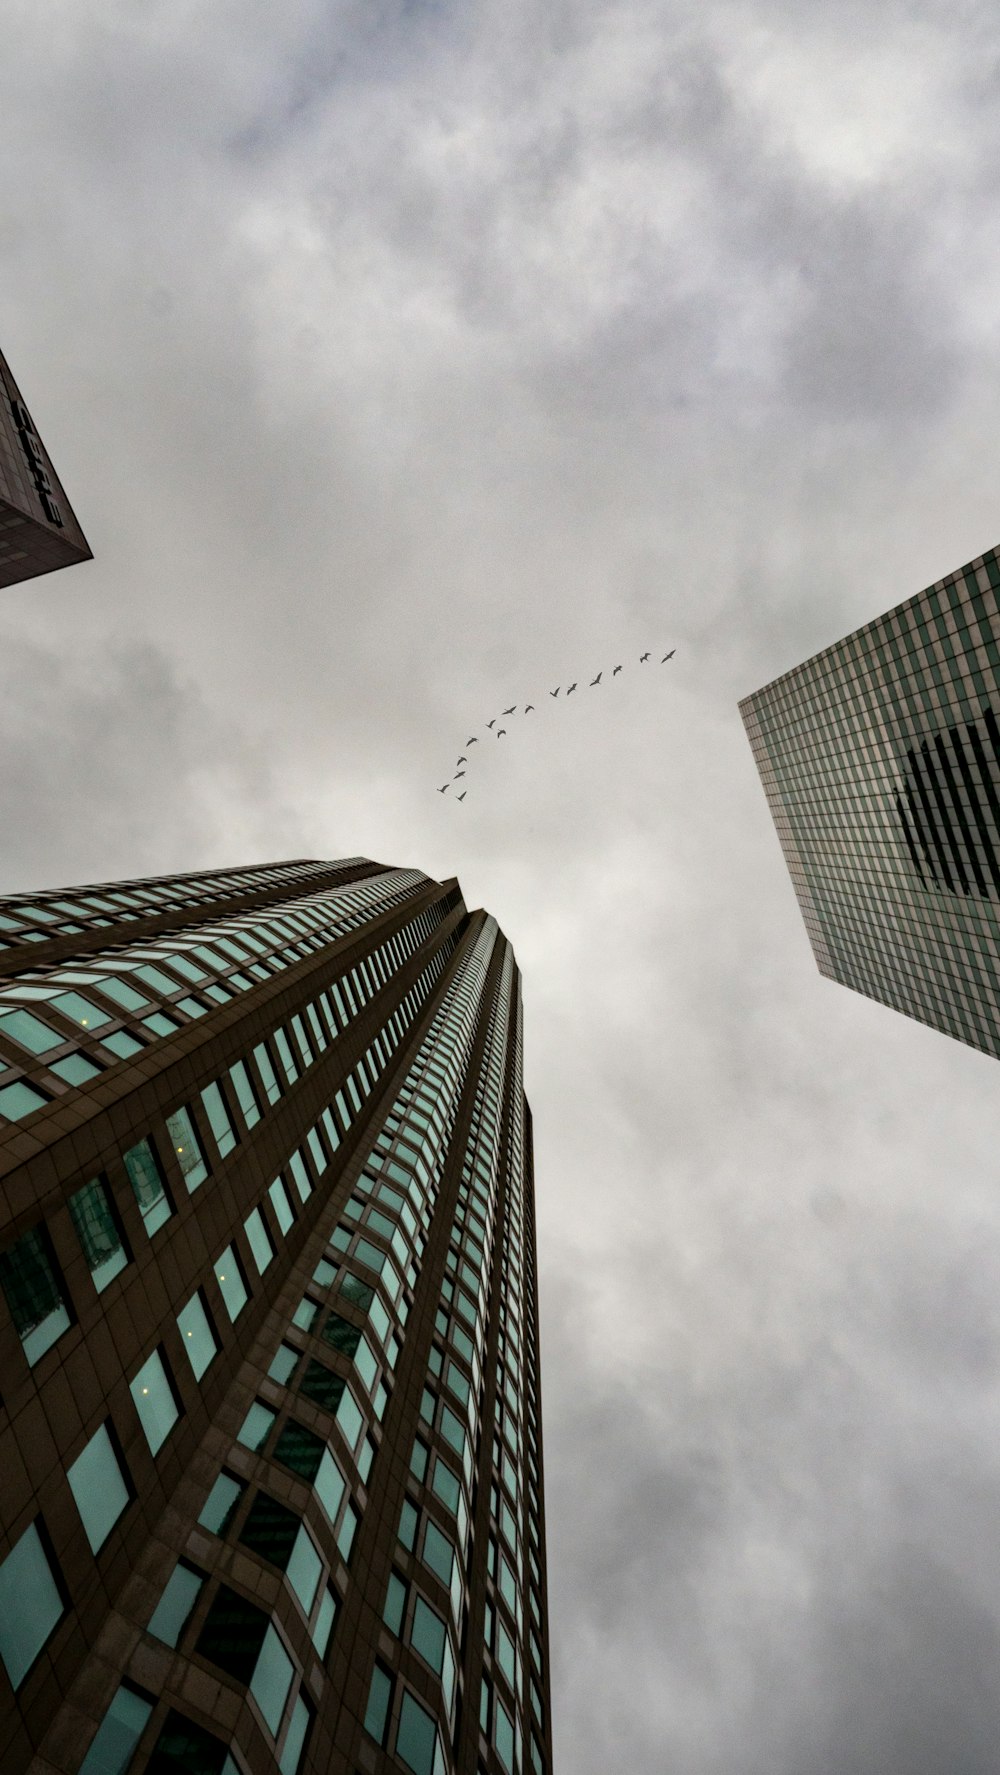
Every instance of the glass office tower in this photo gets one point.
(38, 527)
(270, 1445)
(880, 760)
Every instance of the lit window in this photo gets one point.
(30, 1032)
(80, 1010)
(199, 1339)
(154, 1401)
(232, 1286)
(190, 1157)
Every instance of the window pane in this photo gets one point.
(330, 1484)
(174, 1607)
(256, 1426)
(304, 1570)
(33, 1287)
(99, 1488)
(233, 1634)
(186, 1749)
(143, 1171)
(298, 1449)
(324, 1623)
(378, 1703)
(75, 1069)
(231, 1284)
(218, 1116)
(270, 1530)
(295, 1738)
(189, 1154)
(272, 1679)
(220, 1505)
(437, 1553)
(283, 1364)
(30, 1604)
(97, 1231)
(154, 1401)
(80, 1010)
(281, 1204)
(427, 1634)
(122, 1044)
(20, 1100)
(416, 1738)
(259, 1240)
(30, 1032)
(245, 1093)
(199, 1339)
(117, 1735)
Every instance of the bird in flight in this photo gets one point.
(642, 657)
(447, 786)
(528, 707)
(492, 723)
(596, 680)
(556, 691)
(667, 656)
(512, 710)
(571, 690)
(500, 732)
(458, 773)
(462, 796)
(462, 760)
(472, 741)
(616, 671)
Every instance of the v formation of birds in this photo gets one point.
(499, 732)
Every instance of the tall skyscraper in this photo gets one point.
(38, 527)
(270, 1444)
(880, 760)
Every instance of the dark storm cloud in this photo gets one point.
(400, 360)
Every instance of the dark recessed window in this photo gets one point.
(30, 1279)
(186, 1749)
(97, 1230)
(146, 1178)
(270, 1530)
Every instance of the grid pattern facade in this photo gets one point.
(880, 760)
(38, 527)
(270, 1427)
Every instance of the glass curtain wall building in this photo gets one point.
(38, 527)
(880, 760)
(270, 1428)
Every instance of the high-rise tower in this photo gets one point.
(880, 759)
(270, 1441)
(38, 527)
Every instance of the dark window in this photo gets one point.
(299, 1449)
(322, 1386)
(340, 1334)
(270, 1530)
(97, 1230)
(233, 1634)
(186, 1749)
(30, 1279)
(143, 1168)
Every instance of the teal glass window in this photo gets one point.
(30, 1032)
(122, 1044)
(199, 1339)
(153, 1397)
(220, 1505)
(33, 1289)
(330, 1483)
(122, 994)
(324, 1623)
(377, 1711)
(285, 1055)
(80, 1010)
(258, 1239)
(349, 1419)
(186, 1145)
(160, 1024)
(246, 1097)
(232, 1285)
(99, 1489)
(256, 1426)
(75, 1069)
(30, 1604)
(395, 1604)
(272, 1089)
(365, 1363)
(346, 1532)
(408, 1520)
(438, 1552)
(427, 1634)
(283, 1364)
(173, 1611)
(304, 1570)
(353, 1289)
(20, 1100)
(503, 1735)
(272, 1680)
(143, 1169)
(295, 1737)
(112, 1748)
(281, 1205)
(416, 1739)
(218, 1118)
(93, 1217)
(303, 1182)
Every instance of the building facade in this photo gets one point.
(880, 760)
(270, 1430)
(38, 527)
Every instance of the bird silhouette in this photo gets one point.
(462, 796)
(458, 773)
(472, 741)
(462, 760)
(643, 656)
(667, 656)
(511, 711)
(596, 680)
(528, 707)
(616, 671)
(500, 732)
(571, 690)
(492, 723)
(556, 691)
(447, 786)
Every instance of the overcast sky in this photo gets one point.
(403, 360)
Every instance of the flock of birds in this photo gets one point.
(473, 739)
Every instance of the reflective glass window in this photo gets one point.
(19, 1100)
(220, 1505)
(218, 1118)
(259, 1240)
(173, 1610)
(272, 1680)
(416, 1739)
(143, 1169)
(30, 1032)
(117, 1735)
(186, 1145)
(33, 1288)
(154, 1401)
(232, 1285)
(295, 1737)
(93, 1217)
(199, 1339)
(98, 1486)
(30, 1604)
